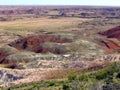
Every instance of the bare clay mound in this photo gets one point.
(109, 44)
(42, 43)
(112, 33)
(27, 49)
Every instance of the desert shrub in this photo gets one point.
(52, 47)
(110, 70)
(35, 85)
(118, 75)
(66, 87)
(77, 85)
(51, 83)
(101, 74)
(64, 36)
(83, 77)
(72, 77)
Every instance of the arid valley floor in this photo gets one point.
(59, 48)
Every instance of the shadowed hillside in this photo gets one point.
(112, 33)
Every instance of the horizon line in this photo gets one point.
(59, 5)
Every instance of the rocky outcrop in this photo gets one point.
(10, 77)
(7, 77)
(109, 57)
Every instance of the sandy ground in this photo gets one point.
(10, 77)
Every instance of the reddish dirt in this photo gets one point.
(32, 42)
(112, 33)
(110, 45)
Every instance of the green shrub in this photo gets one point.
(56, 48)
(66, 87)
(51, 83)
(72, 77)
(101, 74)
(83, 77)
(110, 70)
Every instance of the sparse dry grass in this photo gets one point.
(62, 73)
(41, 24)
(4, 65)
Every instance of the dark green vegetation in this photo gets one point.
(106, 78)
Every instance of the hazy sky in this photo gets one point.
(61, 2)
